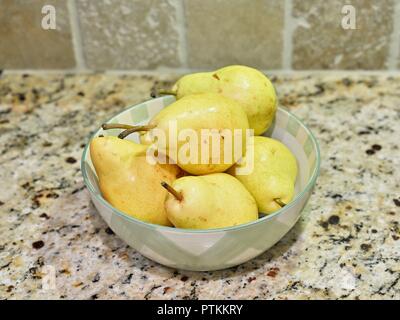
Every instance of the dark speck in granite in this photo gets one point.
(42, 197)
(324, 224)
(96, 278)
(365, 246)
(370, 152)
(38, 244)
(333, 219)
(71, 160)
(273, 272)
(128, 279)
(44, 215)
(21, 97)
(109, 231)
(47, 144)
(376, 147)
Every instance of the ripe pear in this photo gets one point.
(211, 201)
(197, 112)
(273, 177)
(128, 181)
(248, 86)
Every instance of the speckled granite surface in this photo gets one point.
(347, 245)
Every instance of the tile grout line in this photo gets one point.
(171, 71)
(181, 22)
(394, 47)
(76, 35)
(287, 51)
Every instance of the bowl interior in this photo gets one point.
(286, 128)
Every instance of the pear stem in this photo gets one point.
(178, 196)
(279, 202)
(164, 92)
(133, 129)
(108, 126)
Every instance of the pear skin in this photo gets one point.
(211, 201)
(273, 176)
(197, 112)
(248, 86)
(128, 181)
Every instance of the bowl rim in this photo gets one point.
(153, 226)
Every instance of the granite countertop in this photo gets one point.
(346, 245)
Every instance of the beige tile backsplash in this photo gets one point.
(320, 42)
(129, 34)
(23, 42)
(199, 34)
(234, 32)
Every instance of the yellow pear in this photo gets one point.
(273, 177)
(248, 86)
(211, 201)
(195, 113)
(128, 181)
